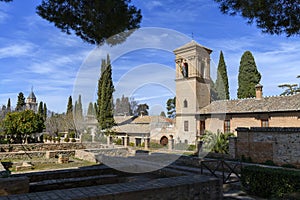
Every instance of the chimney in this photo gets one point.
(258, 89)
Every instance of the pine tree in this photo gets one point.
(248, 76)
(70, 106)
(21, 102)
(142, 109)
(105, 99)
(222, 87)
(8, 106)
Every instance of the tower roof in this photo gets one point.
(192, 44)
(31, 95)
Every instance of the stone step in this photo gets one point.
(54, 184)
(68, 173)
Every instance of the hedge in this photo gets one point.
(269, 182)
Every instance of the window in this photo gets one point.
(202, 127)
(185, 103)
(186, 125)
(264, 123)
(226, 126)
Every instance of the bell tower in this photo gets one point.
(192, 88)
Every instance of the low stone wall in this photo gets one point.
(41, 147)
(85, 155)
(177, 188)
(35, 154)
(280, 145)
(22, 155)
(119, 152)
(13, 185)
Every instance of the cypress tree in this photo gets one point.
(8, 106)
(99, 92)
(105, 98)
(21, 102)
(45, 111)
(213, 92)
(70, 106)
(41, 109)
(75, 109)
(248, 76)
(171, 107)
(91, 109)
(79, 109)
(95, 109)
(222, 87)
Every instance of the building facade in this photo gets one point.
(195, 113)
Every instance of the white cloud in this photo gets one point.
(153, 4)
(22, 48)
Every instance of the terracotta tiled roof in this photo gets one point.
(132, 128)
(140, 124)
(266, 104)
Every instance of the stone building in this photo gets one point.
(138, 130)
(31, 103)
(195, 113)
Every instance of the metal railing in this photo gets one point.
(221, 169)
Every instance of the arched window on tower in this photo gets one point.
(185, 103)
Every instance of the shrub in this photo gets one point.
(73, 140)
(288, 166)
(118, 141)
(67, 139)
(216, 142)
(131, 144)
(269, 182)
(269, 162)
(155, 145)
(72, 134)
(246, 159)
(192, 147)
(57, 139)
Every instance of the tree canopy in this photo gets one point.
(20, 125)
(142, 109)
(248, 76)
(271, 16)
(94, 21)
(290, 89)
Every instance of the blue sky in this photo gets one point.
(35, 53)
